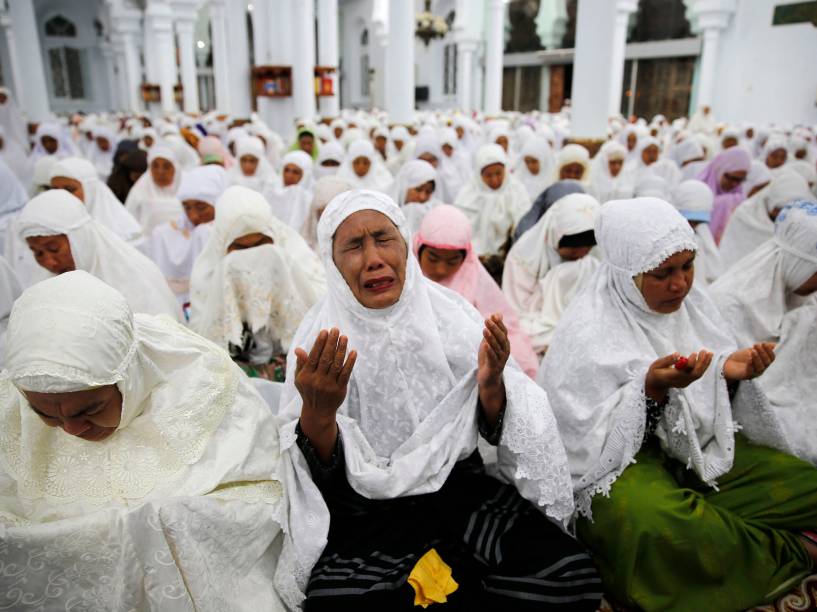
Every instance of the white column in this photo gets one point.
(113, 84)
(466, 52)
(328, 52)
(495, 32)
(710, 18)
(592, 84)
(11, 43)
(544, 88)
(400, 62)
(238, 73)
(184, 18)
(303, 64)
(159, 18)
(33, 96)
(126, 26)
(624, 8)
(221, 55)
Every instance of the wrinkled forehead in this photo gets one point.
(362, 223)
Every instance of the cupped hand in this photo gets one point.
(749, 362)
(663, 374)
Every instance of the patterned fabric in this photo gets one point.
(665, 540)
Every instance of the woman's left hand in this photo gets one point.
(749, 362)
(493, 351)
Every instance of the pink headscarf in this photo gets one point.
(733, 159)
(211, 145)
(446, 227)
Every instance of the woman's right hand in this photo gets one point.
(322, 378)
(663, 375)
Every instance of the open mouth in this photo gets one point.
(379, 285)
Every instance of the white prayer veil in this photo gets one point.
(411, 409)
(290, 204)
(265, 286)
(595, 368)
(150, 204)
(756, 293)
(186, 476)
(493, 213)
(241, 211)
(694, 200)
(100, 201)
(98, 251)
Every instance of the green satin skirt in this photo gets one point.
(664, 540)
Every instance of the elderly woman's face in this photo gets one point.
(292, 175)
(732, 180)
(615, 166)
(361, 165)
(665, 287)
(199, 211)
(72, 186)
(430, 158)
(420, 194)
(249, 241)
(370, 254)
(493, 175)
(776, 158)
(52, 253)
(92, 415)
(50, 144)
(162, 171)
(533, 164)
(249, 164)
(649, 155)
(574, 171)
(306, 143)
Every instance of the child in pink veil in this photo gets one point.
(443, 248)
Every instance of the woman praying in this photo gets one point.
(661, 475)
(443, 247)
(252, 170)
(153, 201)
(493, 200)
(550, 264)
(724, 176)
(290, 195)
(414, 190)
(608, 181)
(78, 177)
(393, 381)
(753, 221)
(363, 168)
(62, 237)
(174, 245)
(131, 450)
(534, 166)
(694, 201)
(258, 292)
(779, 275)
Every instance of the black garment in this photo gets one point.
(546, 199)
(127, 159)
(505, 555)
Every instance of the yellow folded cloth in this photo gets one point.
(431, 580)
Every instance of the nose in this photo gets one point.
(678, 283)
(75, 427)
(371, 258)
(50, 262)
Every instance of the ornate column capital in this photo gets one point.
(710, 14)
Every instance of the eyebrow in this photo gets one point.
(354, 240)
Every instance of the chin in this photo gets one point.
(384, 300)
